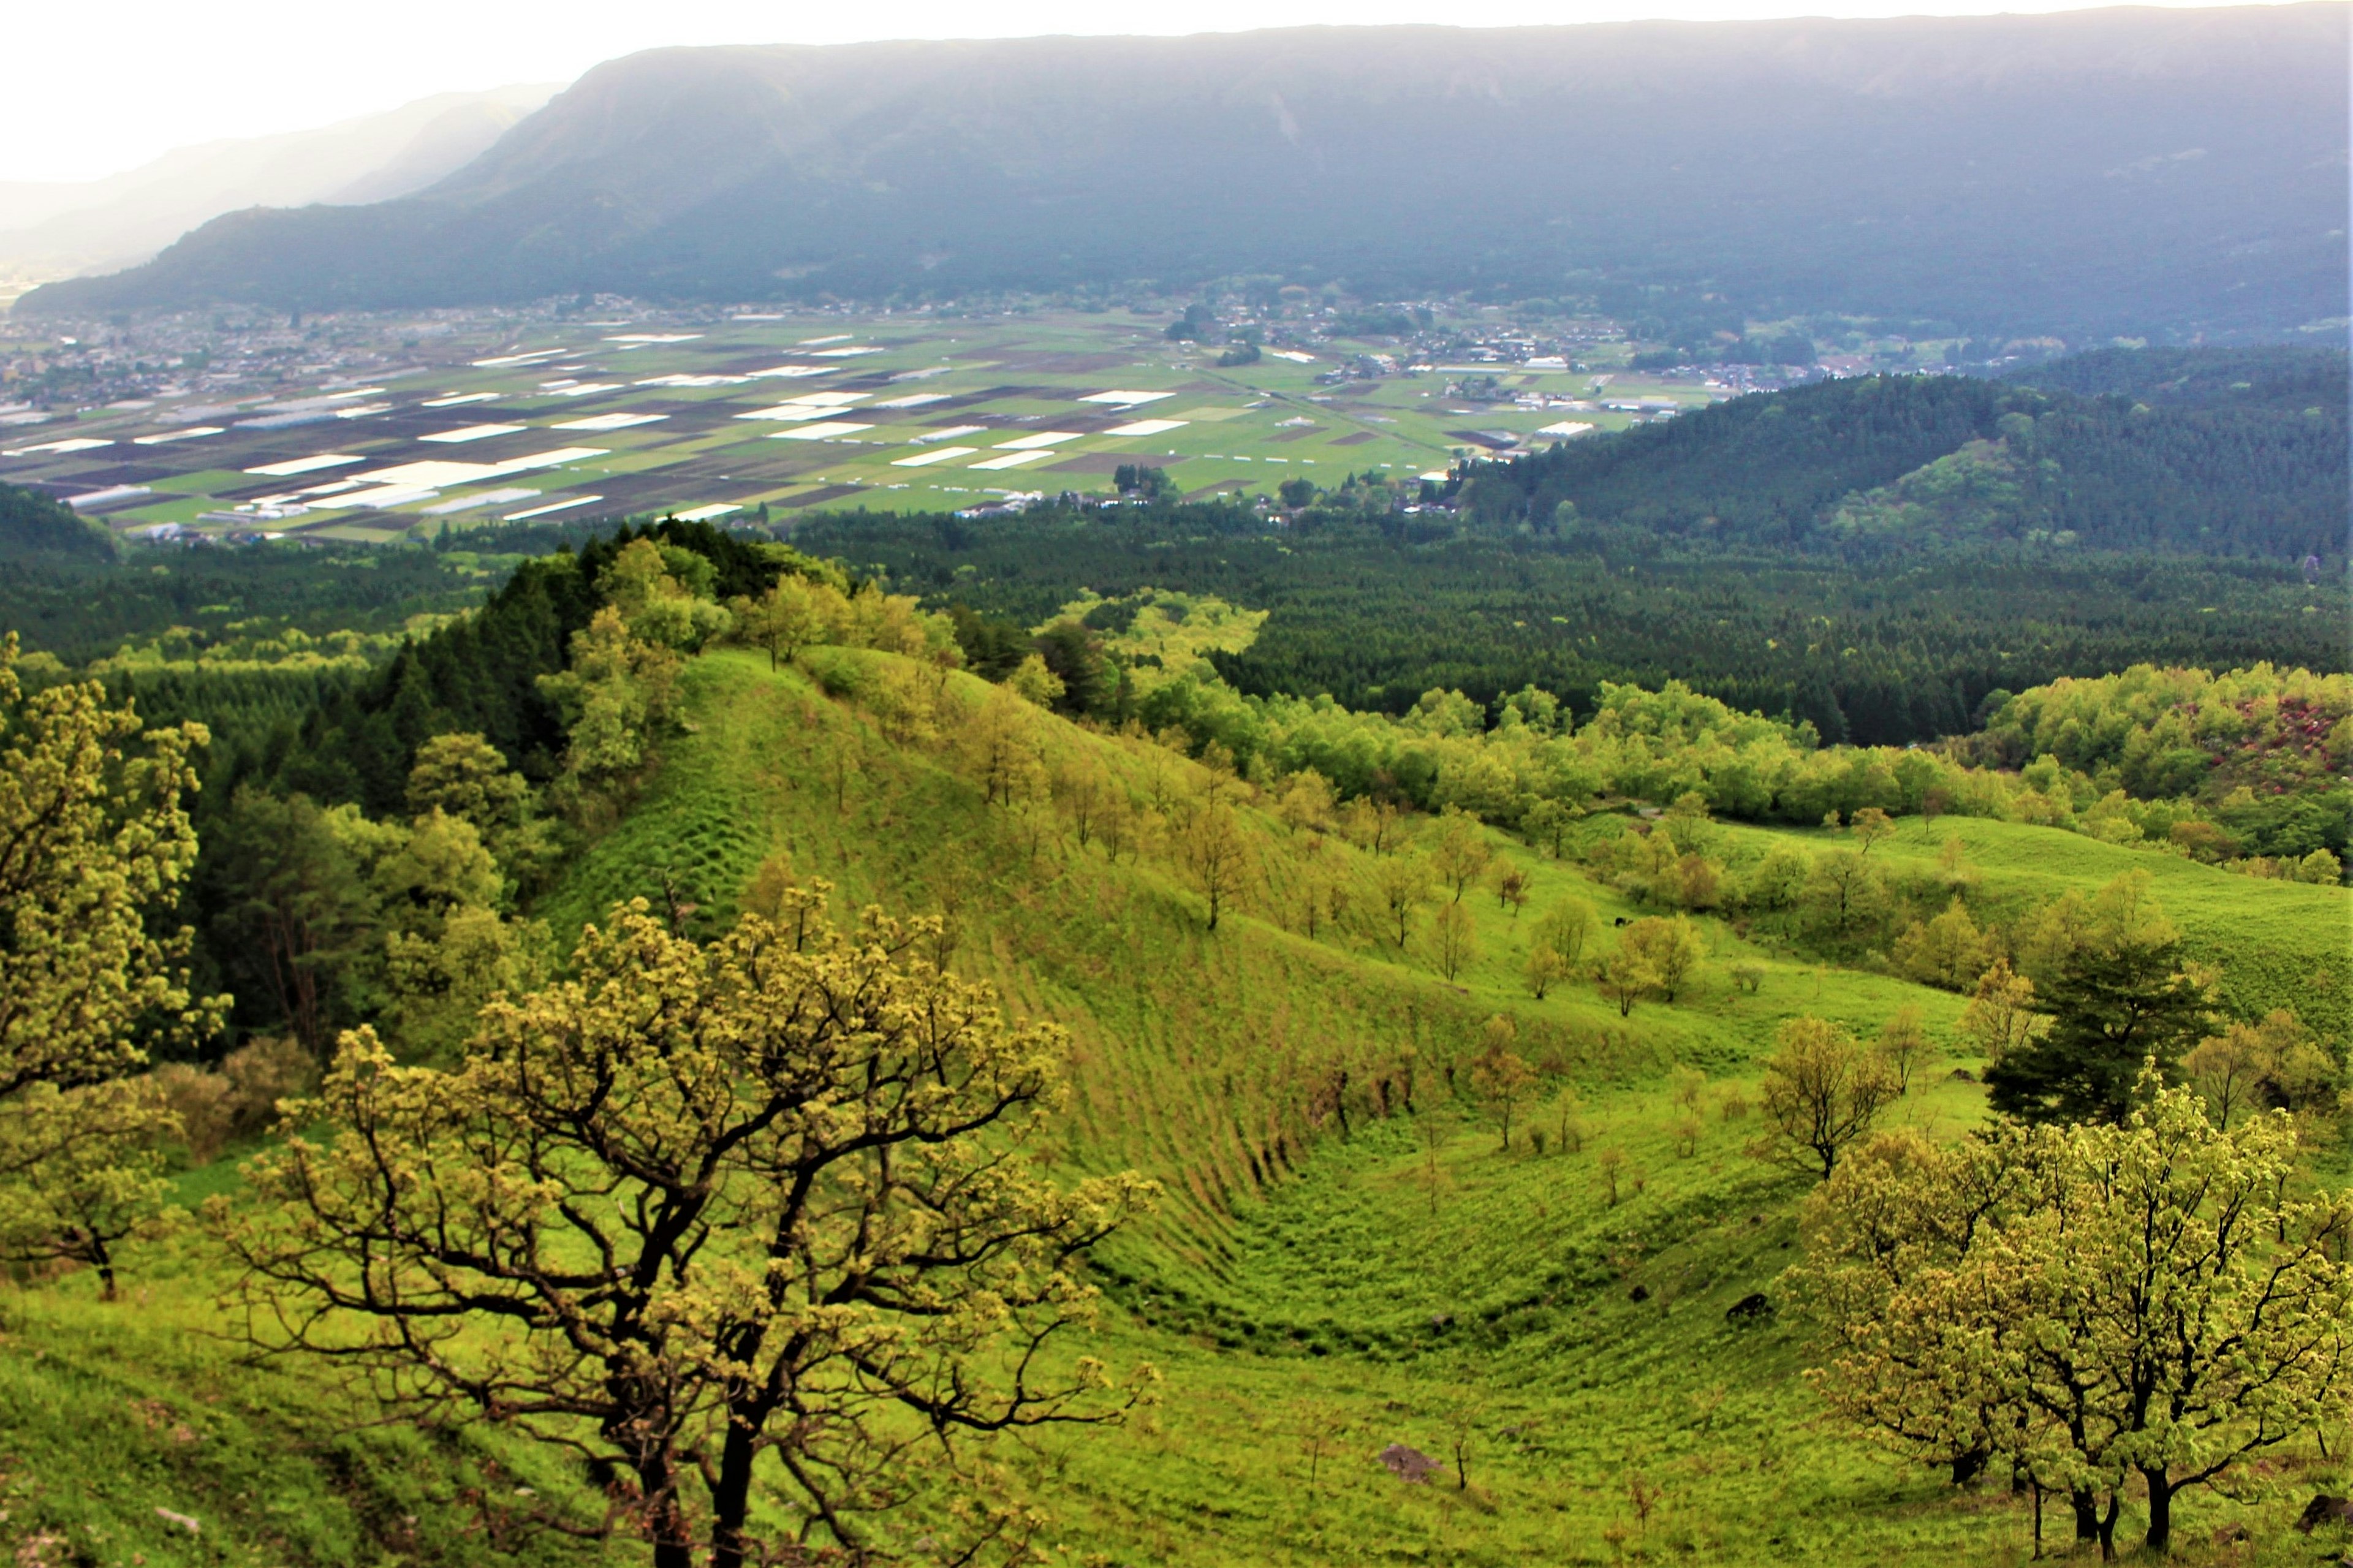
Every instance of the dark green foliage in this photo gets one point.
(2113, 1008)
(1901, 461)
(1091, 683)
(1196, 323)
(1378, 608)
(1141, 478)
(2264, 377)
(35, 524)
(992, 645)
(1240, 353)
(287, 921)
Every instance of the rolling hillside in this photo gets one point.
(1345, 1256)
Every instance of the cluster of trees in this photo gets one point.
(2160, 1298)
(2267, 749)
(1524, 763)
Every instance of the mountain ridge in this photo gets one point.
(2013, 172)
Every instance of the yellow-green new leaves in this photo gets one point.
(1822, 1091)
(81, 1171)
(701, 1204)
(2092, 1302)
(92, 838)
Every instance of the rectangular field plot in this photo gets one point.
(475, 433)
(1012, 461)
(825, 431)
(293, 466)
(611, 422)
(924, 459)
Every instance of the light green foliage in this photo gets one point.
(98, 842)
(663, 595)
(788, 1148)
(2155, 1300)
(81, 1172)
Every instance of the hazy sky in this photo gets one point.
(104, 85)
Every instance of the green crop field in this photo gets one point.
(1311, 1289)
(897, 412)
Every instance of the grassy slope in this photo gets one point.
(1311, 1295)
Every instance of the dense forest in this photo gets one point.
(1375, 608)
(2214, 452)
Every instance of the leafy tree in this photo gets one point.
(1625, 977)
(2159, 1299)
(1511, 888)
(2001, 1015)
(464, 775)
(1949, 950)
(2276, 1062)
(1903, 1045)
(1870, 826)
(1215, 855)
(616, 695)
(1544, 970)
(1454, 939)
(2117, 1004)
(81, 1169)
(1546, 822)
(699, 1214)
(1034, 683)
(1000, 749)
(1822, 1093)
(1567, 928)
(95, 845)
(1499, 1075)
(1402, 884)
(785, 619)
(1669, 948)
(1460, 855)
(1844, 894)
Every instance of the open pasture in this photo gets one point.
(890, 411)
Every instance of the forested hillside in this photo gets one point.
(700, 1002)
(2209, 451)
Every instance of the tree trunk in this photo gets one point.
(1967, 1467)
(2108, 1527)
(2161, 1511)
(731, 1497)
(2087, 1514)
(665, 1521)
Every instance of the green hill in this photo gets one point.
(1346, 1257)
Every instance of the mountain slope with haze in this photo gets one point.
(2130, 170)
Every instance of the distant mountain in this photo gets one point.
(125, 218)
(2135, 170)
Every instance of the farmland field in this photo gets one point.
(892, 411)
